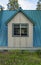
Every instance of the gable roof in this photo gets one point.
(34, 15)
(22, 11)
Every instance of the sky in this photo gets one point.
(25, 4)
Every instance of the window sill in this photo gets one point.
(20, 36)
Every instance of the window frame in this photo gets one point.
(20, 30)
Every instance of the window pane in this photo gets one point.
(23, 25)
(16, 29)
(16, 25)
(24, 29)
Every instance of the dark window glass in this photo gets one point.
(23, 29)
(16, 29)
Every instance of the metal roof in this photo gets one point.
(34, 15)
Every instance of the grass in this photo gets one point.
(17, 57)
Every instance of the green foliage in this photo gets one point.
(1, 7)
(13, 4)
(16, 57)
(38, 5)
(38, 53)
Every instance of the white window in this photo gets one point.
(20, 30)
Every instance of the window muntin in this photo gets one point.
(20, 29)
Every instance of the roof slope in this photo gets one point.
(22, 11)
(34, 15)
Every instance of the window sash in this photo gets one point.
(21, 26)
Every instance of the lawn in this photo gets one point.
(17, 57)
